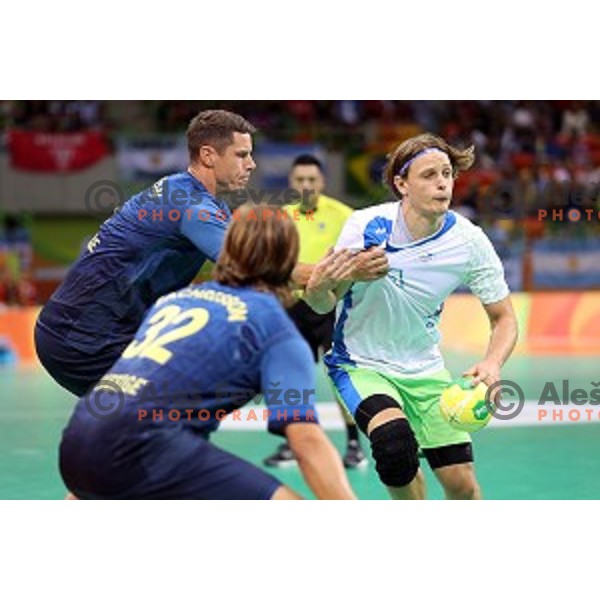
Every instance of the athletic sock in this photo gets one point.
(352, 432)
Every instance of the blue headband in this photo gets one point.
(407, 164)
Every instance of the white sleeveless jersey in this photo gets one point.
(391, 325)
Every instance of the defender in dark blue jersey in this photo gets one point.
(154, 245)
(201, 353)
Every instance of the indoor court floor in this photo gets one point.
(519, 459)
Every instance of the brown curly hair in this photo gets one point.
(461, 160)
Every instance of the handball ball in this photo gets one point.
(463, 406)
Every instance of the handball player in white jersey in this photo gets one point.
(385, 361)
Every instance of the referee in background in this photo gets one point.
(321, 221)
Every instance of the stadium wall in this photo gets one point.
(50, 193)
(66, 193)
(549, 323)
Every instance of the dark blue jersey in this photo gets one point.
(201, 353)
(154, 245)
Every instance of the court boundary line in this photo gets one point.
(331, 419)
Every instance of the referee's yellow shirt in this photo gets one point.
(319, 230)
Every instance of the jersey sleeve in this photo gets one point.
(352, 235)
(204, 225)
(485, 275)
(288, 383)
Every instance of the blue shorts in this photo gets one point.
(74, 370)
(128, 460)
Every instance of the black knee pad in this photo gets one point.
(370, 407)
(395, 449)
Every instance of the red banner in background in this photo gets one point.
(58, 152)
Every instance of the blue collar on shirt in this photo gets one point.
(449, 222)
(218, 201)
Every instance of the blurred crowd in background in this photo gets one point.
(523, 147)
(531, 156)
(16, 281)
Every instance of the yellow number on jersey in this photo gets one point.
(153, 344)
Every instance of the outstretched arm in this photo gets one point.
(330, 279)
(333, 275)
(301, 274)
(319, 462)
(367, 265)
(288, 366)
(502, 342)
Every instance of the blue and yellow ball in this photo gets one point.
(464, 406)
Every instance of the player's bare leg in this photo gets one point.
(459, 482)
(354, 456)
(415, 490)
(420, 478)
